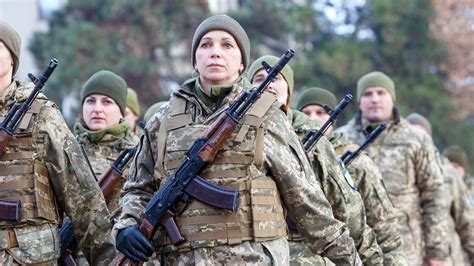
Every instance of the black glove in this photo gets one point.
(133, 244)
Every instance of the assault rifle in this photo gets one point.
(107, 182)
(185, 182)
(349, 156)
(18, 110)
(313, 136)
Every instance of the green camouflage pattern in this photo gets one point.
(284, 162)
(346, 203)
(381, 214)
(461, 218)
(75, 190)
(413, 179)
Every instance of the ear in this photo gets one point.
(241, 68)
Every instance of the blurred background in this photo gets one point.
(427, 47)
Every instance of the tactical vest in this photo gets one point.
(237, 166)
(23, 176)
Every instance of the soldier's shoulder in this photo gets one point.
(24, 90)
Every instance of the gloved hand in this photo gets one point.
(133, 244)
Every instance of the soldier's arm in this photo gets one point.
(346, 202)
(463, 215)
(381, 214)
(431, 186)
(143, 180)
(304, 201)
(76, 190)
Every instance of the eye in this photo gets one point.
(107, 101)
(204, 45)
(228, 45)
(90, 100)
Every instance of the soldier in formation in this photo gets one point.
(407, 161)
(346, 203)
(460, 212)
(262, 160)
(381, 214)
(43, 167)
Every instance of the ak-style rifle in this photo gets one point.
(18, 110)
(184, 182)
(349, 156)
(313, 136)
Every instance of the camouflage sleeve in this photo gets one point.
(463, 215)
(381, 213)
(304, 201)
(76, 190)
(430, 184)
(346, 202)
(142, 181)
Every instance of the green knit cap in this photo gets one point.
(12, 41)
(227, 24)
(417, 119)
(316, 96)
(132, 101)
(375, 79)
(109, 84)
(456, 154)
(286, 72)
(152, 110)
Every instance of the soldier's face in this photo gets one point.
(131, 117)
(6, 61)
(376, 104)
(218, 58)
(278, 86)
(100, 112)
(317, 112)
(459, 168)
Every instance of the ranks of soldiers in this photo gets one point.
(399, 202)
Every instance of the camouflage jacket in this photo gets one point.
(284, 162)
(336, 182)
(461, 218)
(101, 153)
(413, 179)
(381, 214)
(73, 184)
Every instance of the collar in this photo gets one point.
(112, 133)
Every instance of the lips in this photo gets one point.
(215, 65)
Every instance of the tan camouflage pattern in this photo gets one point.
(102, 154)
(346, 203)
(461, 218)
(413, 179)
(284, 162)
(76, 191)
(381, 214)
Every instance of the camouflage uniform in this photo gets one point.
(346, 203)
(461, 218)
(413, 179)
(45, 169)
(102, 152)
(381, 214)
(262, 159)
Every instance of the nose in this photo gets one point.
(216, 51)
(97, 108)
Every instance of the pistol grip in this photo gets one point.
(172, 229)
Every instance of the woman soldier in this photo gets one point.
(102, 130)
(262, 160)
(44, 169)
